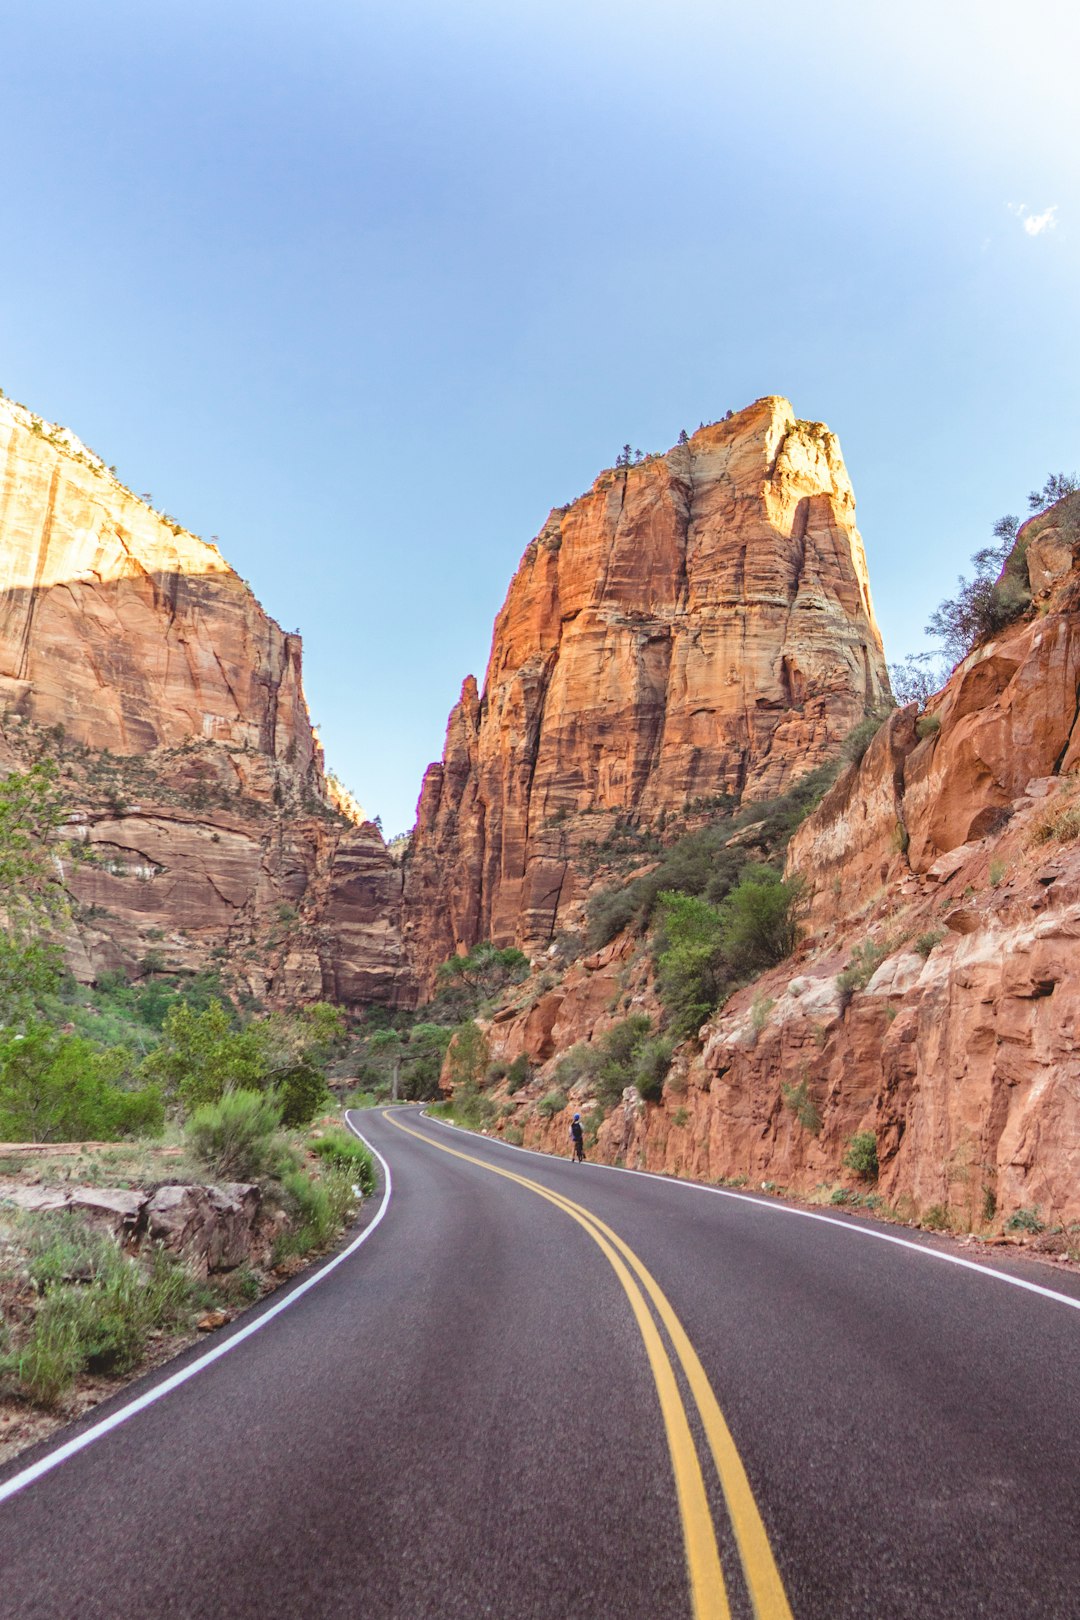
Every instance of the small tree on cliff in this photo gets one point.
(466, 981)
(467, 1056)
(1057, 487)
(996, 594)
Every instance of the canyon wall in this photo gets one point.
(696, 624)
(932, 1003)
(202, 831)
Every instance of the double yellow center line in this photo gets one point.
(707, 1589)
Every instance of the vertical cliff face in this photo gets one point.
(203, 831)
(122, 627)
(698, 623)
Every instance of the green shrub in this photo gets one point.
(580, 1062)
(517, 1075)
(861, 1155)
(937, 1218)
(998, 593)
(998, 869)
(927, 725)
(926, 942)
(615, 1058)
(680, 1117)
(422, 1060)
(609, 912)
(467, 1055)
(860, 737)
(103, 1325)
(347, 1152)
(690, 960)
(514, 1135)
(202, 1055)
(621, 1042)
(863, 964)
(802, 1105)
(651, 1062)
(301, 1092)
(551, 1104)
(317, 1209)
(1025, 1220)
(760, 1010)
(63, 1088)
(237, 1138)
(62, 1248)
(759, 920)
(464, 982)
(472, 1109)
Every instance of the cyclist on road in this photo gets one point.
(578, 1136)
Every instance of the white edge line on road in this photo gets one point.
(19, 1482)
(789, 1209)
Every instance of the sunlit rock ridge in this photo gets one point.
(699, 622)
(206, 830)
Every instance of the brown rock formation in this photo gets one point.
(119, 625)
(698, 623)
(203, 830)
(950, 865)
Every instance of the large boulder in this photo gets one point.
(212, 1228)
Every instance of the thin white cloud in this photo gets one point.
(1035, 224)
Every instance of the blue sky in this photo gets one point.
(365, 290)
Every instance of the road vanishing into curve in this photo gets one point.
(529, 1388)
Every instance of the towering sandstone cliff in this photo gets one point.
(696, 624)
(932, 1004)
(130, 649)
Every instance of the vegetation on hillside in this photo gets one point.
(999, 591)
(715, 908)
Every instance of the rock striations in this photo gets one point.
(698, 623)
(203, 829)
(930, 1007)
(119, 625)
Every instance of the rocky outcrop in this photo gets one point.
(1009, 715)
(933, 1003)
(213, 1228)
(697, 624)
(203, 831)
(120, 626)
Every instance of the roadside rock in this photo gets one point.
(111, 1209)
(212, 1227)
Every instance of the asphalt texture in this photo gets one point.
(460, 1421)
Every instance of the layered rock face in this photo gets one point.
(934, 1001)
(118, 625)
(203, 832)
(696, 624)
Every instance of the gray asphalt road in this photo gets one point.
(462, 1420)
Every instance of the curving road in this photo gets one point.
(555, 1391)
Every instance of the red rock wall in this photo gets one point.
(205, 832)
(121, 626)
(696, 624)
(959, 1051)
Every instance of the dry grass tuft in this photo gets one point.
(1058, 825)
